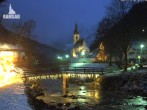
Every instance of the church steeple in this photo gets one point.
(76, 35)
(76, 31)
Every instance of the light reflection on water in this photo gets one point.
(56, 89)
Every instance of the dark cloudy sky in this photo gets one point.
(55, 19)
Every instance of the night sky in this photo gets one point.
(55, 19)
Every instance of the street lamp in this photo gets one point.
(141, 46)
(83, 53)
(139, 58)
(66, 56)
(59, 57)
(143, 30)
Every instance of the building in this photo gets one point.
(137, 53)
(11, 52)
(80, 49)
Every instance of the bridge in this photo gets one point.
(65, 75)
(60, 76)
(76, 72)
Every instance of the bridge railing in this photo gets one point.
(66, 69)
(83, 69)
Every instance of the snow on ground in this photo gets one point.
(12, 97)
(100, 65)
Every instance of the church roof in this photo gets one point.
(79, 43)
(76, 31)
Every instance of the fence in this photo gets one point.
(83, 70)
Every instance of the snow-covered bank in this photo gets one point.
(135, 82)
(12, 97)
(100, 65)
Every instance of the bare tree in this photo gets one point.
(29, 26)
(102, 32)
(23, 31)
(117, 12)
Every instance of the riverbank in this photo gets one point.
(33, 90)
(134, 82)
(12, 97)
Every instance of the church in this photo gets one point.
(80, 49)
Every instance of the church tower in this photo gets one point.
(79, 46)
(76, 35)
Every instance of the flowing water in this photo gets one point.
(83, 94)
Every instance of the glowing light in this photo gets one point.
(82, 87)
(141, 46)
(83, 53)
(59, 57)
(66, 56)
(8, 72)
(143, 30)
(139, 57)
(7, 55)
(101, 55)
(74, 55)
